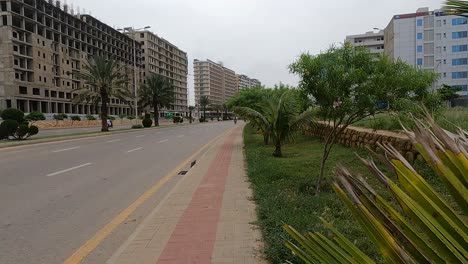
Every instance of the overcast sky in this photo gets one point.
(259, 38)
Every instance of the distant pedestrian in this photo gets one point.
(235, 120)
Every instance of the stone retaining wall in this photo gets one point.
(354, 137)
(50, 124)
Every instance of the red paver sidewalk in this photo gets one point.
(205, 218)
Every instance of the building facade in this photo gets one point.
(159, 56)
(43, 44)
(374, 41)
(432, 40)
(213, 80)
(243, 81)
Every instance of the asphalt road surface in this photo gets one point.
(54, 197)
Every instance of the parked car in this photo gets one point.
(109, 123)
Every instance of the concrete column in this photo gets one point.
(26, 106)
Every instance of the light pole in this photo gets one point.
(132, 31)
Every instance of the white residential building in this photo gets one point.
(433, 40)
(374, 41)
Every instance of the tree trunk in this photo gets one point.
(104, 127)
(204, 113)
(190, 117)
(156, 115)
(266, 140)
(277, 153)
(326, 153)
(217, 114)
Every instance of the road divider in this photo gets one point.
(67, 170)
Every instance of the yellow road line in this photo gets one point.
(102, 234)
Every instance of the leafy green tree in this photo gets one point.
(248, 97)
(217, 108)
(204, 102)
(448, 93)
(59, 117)
(279, 118)
(13, 114)
(102, 79)
(348, 83)
(157, 92)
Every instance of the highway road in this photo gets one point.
(67, 131)
(55, 196)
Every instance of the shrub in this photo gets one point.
(147, 122)
(35, 116)
(33, 130)
(22, 132)
(111, 118)
(122, 116)
(178, 119)
(8, 128)
(13, 114)
(141, 117)
(130, 117)
(137, 126)
(90, 117)
(75, 118)
(201, 120)
(147, 115)
(60, 116)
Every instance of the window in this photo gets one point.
(445, 61)
(43, 55)
(39, 53)
(23, 90)
(61, 95)
(15, 48)
(419, 36)
(45, 79)
(461, 61)
(53, 94)
(459, 34)
(46, 93)
(459, 48)
(419, 61)
(8, 103)
(45, 68)
(419, 22)
(459, 21)
(36, 91)
(68, 95)
(445, 35)
(444, 22)
(445, 74)
(142, 35)
(445, 48)
(420, 49)
(459, 75)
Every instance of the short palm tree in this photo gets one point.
(204, 102)
(279, 118)
(191, 108)
(157, 92)
(102, 80)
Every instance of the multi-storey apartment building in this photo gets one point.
(243, 81)
(374, 41)
(213, 80)
(43, 44)
(162, 57)
(433, 40)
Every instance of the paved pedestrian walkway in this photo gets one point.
(206, 218)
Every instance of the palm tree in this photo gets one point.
(102, 80)
(279, 118)
(157, 92)
(458, 6)
(191, 108)
(204, 102)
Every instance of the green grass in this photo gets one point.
(284, 192)
(449, 119)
